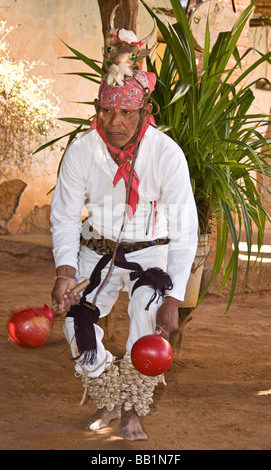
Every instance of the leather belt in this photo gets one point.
(105, 246)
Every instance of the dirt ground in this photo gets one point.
(218, 393)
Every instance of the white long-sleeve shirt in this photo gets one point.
(86, 179)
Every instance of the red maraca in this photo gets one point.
(151, 355)
(31, 327)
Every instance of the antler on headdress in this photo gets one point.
(123, 51)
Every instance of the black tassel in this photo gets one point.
(85, 315)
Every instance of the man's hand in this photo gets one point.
(167, 317)
(62, 296)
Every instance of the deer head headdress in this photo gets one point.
(123, 52)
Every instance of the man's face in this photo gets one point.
(118, 125)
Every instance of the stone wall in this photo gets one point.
(41, 27)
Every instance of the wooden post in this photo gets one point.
(264, 183)
(126, 14)
(185, 316)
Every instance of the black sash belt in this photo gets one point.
(86, 314)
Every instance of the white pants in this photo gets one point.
(142, 322)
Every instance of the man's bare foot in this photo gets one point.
(101, 419)
(130, 427)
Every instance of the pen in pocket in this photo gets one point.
(152, 217)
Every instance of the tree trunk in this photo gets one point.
(126, 14)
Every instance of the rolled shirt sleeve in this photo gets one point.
(66, 210)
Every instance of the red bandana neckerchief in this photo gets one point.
(125, 157)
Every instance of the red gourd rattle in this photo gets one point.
(151, 355)
(31, 327)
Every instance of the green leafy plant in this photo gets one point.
(208, 115)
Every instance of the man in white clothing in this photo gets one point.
(141, 232)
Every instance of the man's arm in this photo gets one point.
(66, 207)
(167, 317)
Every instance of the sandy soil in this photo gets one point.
(218, 393)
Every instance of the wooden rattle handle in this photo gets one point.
(78, 288)
(81, 286)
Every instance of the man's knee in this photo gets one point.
(146, 299)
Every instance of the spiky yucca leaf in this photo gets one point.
(221, 139)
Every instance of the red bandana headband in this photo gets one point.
(131, 95)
